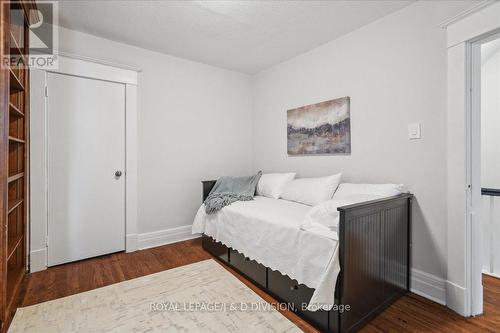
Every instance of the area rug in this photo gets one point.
(201, 297)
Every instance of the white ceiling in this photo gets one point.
(246, 36)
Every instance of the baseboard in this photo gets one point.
(166, 236)
(131, 243)
(456, 298)
(134, 242)
(428, 286)
(38, 260)
(487, 272)
(423, 284)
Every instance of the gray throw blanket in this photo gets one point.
(230, 189)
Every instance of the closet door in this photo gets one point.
(86, 161)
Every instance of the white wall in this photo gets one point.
(195, 123)
(394, 70)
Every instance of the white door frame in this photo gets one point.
(473, 167)
(464, 292)
(39, 214)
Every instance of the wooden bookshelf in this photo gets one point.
(14, 111)
(13, 243)
(15, 82)
(13, 139)
(14, 145)
(15, 177)
(14, 45)
(13, 204)
(16, 273)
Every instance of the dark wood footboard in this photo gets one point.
(374, 253)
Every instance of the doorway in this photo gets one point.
(83, 81)
(465, 34)
(490, 156)
(484, 162)
(86, 167)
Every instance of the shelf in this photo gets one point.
(15, 84)
(14, 111)
(16, 44)
(13, 204)
(15, 177)
(15, 160)
(12, 244)
(16, 140)
(14, 279)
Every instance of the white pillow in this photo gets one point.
(326, 213)
(271, 184)
(311, 191)
(348, 191)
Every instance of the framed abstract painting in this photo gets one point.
(321, 128)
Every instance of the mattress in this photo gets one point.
(268, 231)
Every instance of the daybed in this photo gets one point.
(262, 239)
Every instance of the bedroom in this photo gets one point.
(198, 90)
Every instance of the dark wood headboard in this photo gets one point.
(207, 187)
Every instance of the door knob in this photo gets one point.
(118, 174)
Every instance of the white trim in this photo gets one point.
(97, 61)
(166, 236)
(474, 241)
(131, 243)
(475, 25)
(428, 286)
(466, 13)
(464, 288)
(422, 283)
(486, 271)
(464, 306)
(95, 70)
(38, 175)
(131, 156)
(457, 180)
(455, 296)
(38, 260)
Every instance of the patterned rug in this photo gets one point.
(201, 297)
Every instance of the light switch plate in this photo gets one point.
(414, 131)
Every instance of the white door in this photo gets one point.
(86, 154)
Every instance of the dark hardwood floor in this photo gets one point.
(411, 313)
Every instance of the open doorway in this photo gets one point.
(465, 37)
(490, 156)
(484, 168)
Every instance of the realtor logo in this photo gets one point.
(33, 46)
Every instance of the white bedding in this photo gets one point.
(268, 231)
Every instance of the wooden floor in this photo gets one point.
(411, 313)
